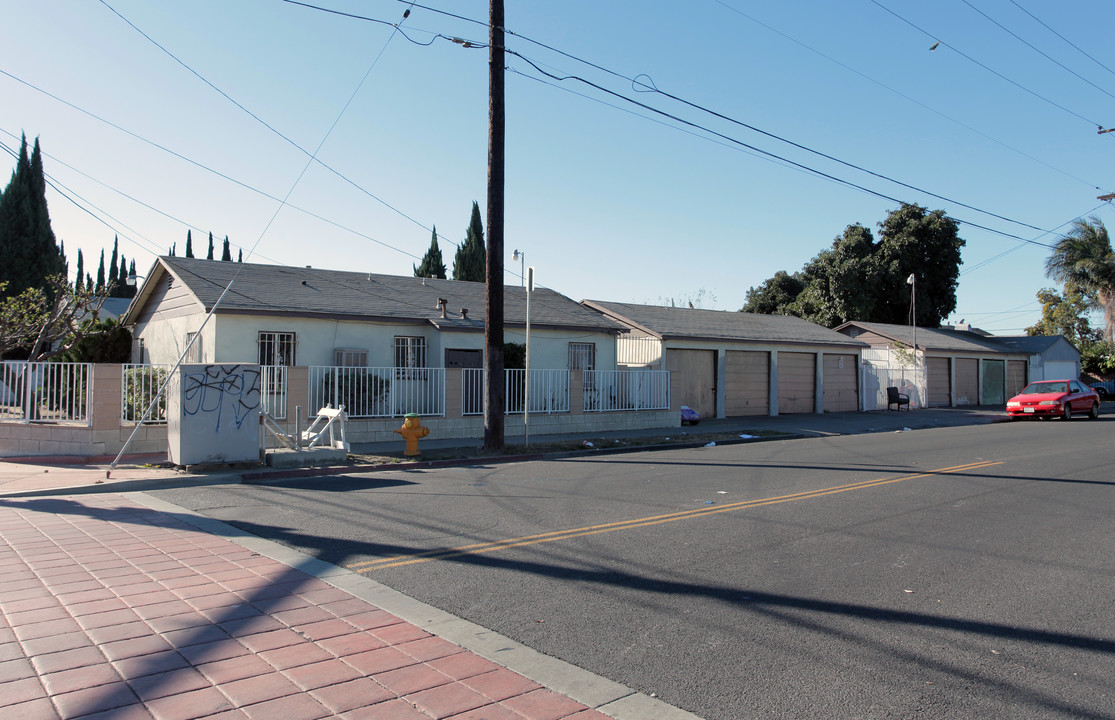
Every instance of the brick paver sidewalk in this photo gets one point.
(109, 609)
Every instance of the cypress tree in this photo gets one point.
(173, 247)
(29, 253)
(110, 280)
(88, 281)
(210, 255)
(226, 256)
(189, 245)
(470, 262)
(101, 275)
(240, 257)
(432, 265)
(80, 275)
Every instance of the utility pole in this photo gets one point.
(495, 394)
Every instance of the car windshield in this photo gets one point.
(1044, 388)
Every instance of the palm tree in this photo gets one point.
(1084, 256)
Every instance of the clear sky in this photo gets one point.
(608, 200)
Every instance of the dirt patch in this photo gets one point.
(586, 446)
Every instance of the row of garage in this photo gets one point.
(745, 385)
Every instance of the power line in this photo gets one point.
(971, 59)
(1070, 42)
(1035, 49)
(899, 93)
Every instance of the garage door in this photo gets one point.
(747, 383)
(841, 387)
(940, 381)
(693, 379)
(797, 382)
(994, 382)
(1016, 376)
(967, 381)
(1060, 371)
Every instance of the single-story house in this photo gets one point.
(278, 315)
(1052, 357)
(951, 366)
(728, 364)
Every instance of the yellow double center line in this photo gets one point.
(480, 548)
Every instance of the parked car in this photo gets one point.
(1105, 389)
(1054, 398)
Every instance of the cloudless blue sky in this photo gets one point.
(607, 200)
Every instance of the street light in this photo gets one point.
(912, 282)
(526, 387)
(522, 258)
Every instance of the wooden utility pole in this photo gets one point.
(494, 392)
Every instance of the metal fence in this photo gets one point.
(273, 381)
(612, 390)
(378, 392)
(138, 386)
(46, 392)
(549, 391)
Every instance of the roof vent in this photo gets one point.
(464, 313)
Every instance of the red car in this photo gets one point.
(1054, 398)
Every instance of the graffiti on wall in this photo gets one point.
(221, 393)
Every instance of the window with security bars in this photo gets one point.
(276, 348)
(582, 356)
(349, 357)
(193, 354)
(410, 356)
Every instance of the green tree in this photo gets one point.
(103, 341)
(41, 323)
(470, 262)
(210, 255)
(775, 295)
(226, 254)
(860, 278)
(1066, 313)
(29, 254)
(110, 279)
(189, 244)
(100, 288)
(432, 265)
(240, 256)
(80, 276)
(1084, 257)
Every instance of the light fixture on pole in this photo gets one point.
(131, 280)
(526, 384)
(522, 258)
(912, 282)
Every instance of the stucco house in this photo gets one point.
(277, 315)
(954, 365)
(728, 364)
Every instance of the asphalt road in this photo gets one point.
(945, 573)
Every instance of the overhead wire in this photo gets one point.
(1069, 42)
(936, 39)
(1045, 55)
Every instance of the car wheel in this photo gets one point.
(1067, 414)
(1094, 412)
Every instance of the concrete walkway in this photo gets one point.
(117, 605)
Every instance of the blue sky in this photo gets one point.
(607, 200)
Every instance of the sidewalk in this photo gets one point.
(117, 605)
(114, 609)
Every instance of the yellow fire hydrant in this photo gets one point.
(412, 429)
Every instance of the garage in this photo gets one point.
(1016, 377)
(967, 381)
(940, 381)
(797, 382)
(841, 383)
(747, 383)
(693, 379)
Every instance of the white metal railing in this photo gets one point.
(273, 384)
(138, 386)
(611, 390)
(378, 392)
(549, 391)
(638, 350)
(46, 392)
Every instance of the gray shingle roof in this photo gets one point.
(671, 323)
(314, 292)
(934, 338)
(1029, 344)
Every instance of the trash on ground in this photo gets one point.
(721, 492)
(711, 444)
(748, 437)
(586, 443)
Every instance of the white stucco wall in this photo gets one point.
(164, 340)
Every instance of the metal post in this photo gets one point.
(526, 389)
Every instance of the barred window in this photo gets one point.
(582, 356)
(194, 354)
(410, 355)
(276, 348)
